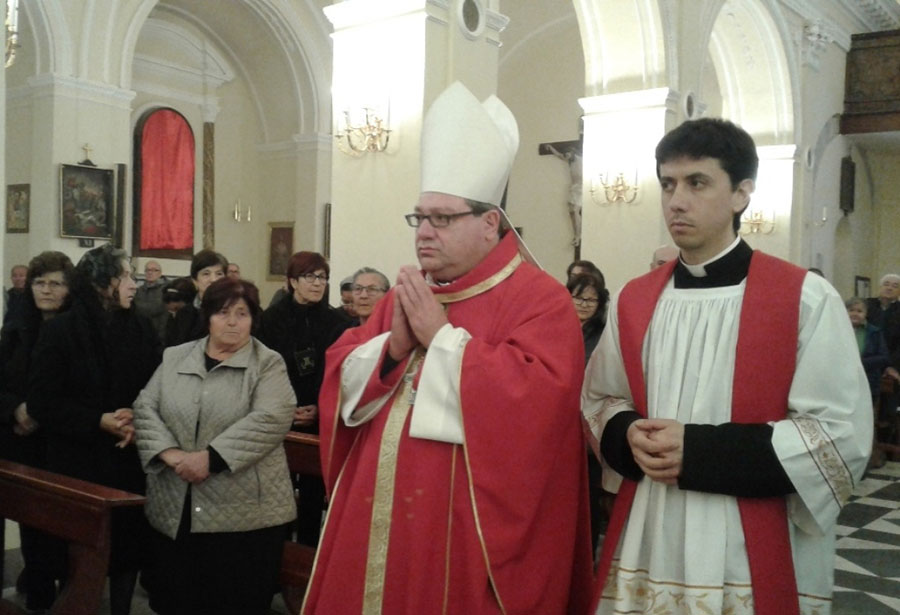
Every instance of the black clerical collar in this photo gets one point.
(729, 269)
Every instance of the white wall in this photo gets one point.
(541, 81)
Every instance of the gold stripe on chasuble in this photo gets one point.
(383, 500)
(448, 542)
(382, 505)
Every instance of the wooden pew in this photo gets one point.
(889, 446)
(302, 452)
(76, 511)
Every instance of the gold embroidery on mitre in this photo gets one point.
(484, 285)
(383, 504)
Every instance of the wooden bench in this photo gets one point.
(76, 511)
(889, 430)
(302, 452)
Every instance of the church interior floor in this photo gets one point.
(867, 566)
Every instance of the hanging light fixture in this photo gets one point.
(367, 134)
(616, 190)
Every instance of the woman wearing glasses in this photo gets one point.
(46, 294)
(590, 297)
(368, 288)
(300, 327)
(88, 366)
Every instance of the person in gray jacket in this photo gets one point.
(209, 427)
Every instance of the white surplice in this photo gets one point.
(683, 551)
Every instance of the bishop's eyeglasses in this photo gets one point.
(435, 220)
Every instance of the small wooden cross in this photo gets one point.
(87, 155)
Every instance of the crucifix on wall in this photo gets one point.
(87, 149)
(570, 153)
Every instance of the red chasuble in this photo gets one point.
(766, 352)
(497, 525)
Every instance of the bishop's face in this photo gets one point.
(452, 251)
(699, 204)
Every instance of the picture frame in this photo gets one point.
(18, 207)
(862, 287)
(326, 250)
(281, 248)
(87, 202)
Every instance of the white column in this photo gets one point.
(395, 56)
(620, 136)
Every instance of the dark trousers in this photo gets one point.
(221, 573)
(310, 505)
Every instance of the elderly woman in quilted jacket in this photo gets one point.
(210, 426)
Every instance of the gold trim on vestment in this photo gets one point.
(449, 540)
(481, 541)
(634, 591)
(827, 458)
(383, 497)
(329, 508)
(334, 428)
(484, 285)
(470, 292)
(325, 527)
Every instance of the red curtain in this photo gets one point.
(167, 183)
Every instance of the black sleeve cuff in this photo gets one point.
(733, 459)
(216, 463)
(388, 365)
(614, 445)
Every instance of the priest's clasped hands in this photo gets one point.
(417, 314)
(658, 448)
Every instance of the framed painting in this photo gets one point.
(281, 248)
(18, 207)
(87, 203)
(862, 287)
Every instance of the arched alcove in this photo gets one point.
(624, 45)
(750, 62)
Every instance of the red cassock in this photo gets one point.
(496, 525)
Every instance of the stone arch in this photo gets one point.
(53, 46)
(301, 41)
(624, 45)
(751, 65)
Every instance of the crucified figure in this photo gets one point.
(572, 156)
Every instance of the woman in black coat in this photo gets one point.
(46, 294)
(88, 367)
(590, 297)
(301, 327)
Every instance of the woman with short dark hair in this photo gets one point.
(207, 266)
(46, 294)
(300, 328)
(590, 297)
(210, 426)
(89, 364)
